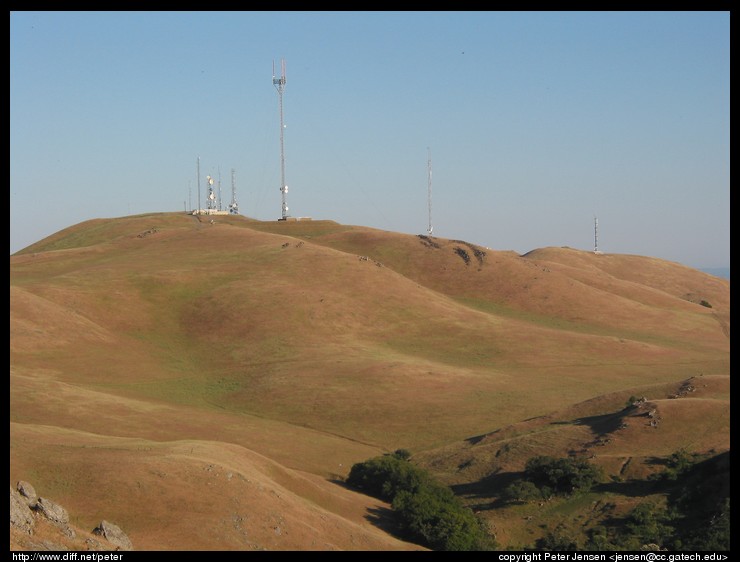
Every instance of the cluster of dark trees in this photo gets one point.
(428, 512)
(545, 477)
(696, 515)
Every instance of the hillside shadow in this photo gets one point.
(628, 488)
(339, 481)
(484, 494)
(477, 439)
(486, 490)
(601, 424)
(384, 519)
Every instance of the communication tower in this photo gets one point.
(233, 206)
(198, 174)
(596, 235)
(211, 204)
(429, 190)
(279, 83)
(219, 188)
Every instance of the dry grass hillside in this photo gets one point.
(207, 385)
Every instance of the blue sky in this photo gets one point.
(536, 122)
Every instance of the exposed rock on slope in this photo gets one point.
(37, 523)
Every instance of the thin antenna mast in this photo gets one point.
(198, 184)
(596, 235)
(429, 190)
(219, 188)
(233, 207)
(279, 84)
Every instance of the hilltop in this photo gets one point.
(220, 377)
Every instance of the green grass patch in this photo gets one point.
(556, 323)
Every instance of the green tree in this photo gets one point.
(385, 476)
(598, 539)
(558, 539)
(435, 515)
(648, 524)
(427, 510)
(522, 491)
(563, 475)
(403, 454)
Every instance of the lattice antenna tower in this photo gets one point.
(219, 188)
(279, 83)
(429, 190)
(596, 235)
(233, 206)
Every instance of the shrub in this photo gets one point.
(677, 464)
(564, 476)
(403, 454)
(648, 524)
(522, 491)
(557, 540)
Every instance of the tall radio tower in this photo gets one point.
(219, 188)
(198, 173)
(429, 190)
(596, 235)
(233, 206)
(279, 84)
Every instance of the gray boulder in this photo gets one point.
(21, 515)
(56, 514)
(52, 511)
(27, 491)
(114, 535)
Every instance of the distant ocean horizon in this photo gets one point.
(717, 271)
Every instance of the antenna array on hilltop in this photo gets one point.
(213, 200)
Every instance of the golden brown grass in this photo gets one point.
(291, 350)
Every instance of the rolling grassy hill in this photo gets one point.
(146, 349)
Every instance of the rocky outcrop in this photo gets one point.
(30, 512)
(21, 515)
(113, 534)
(28, 492)
(54, 513)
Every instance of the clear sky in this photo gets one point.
(536, 123)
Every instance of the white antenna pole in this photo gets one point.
(219, 188)
(596, 235)
(198, 184)
(279, 84)
(429, 190)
